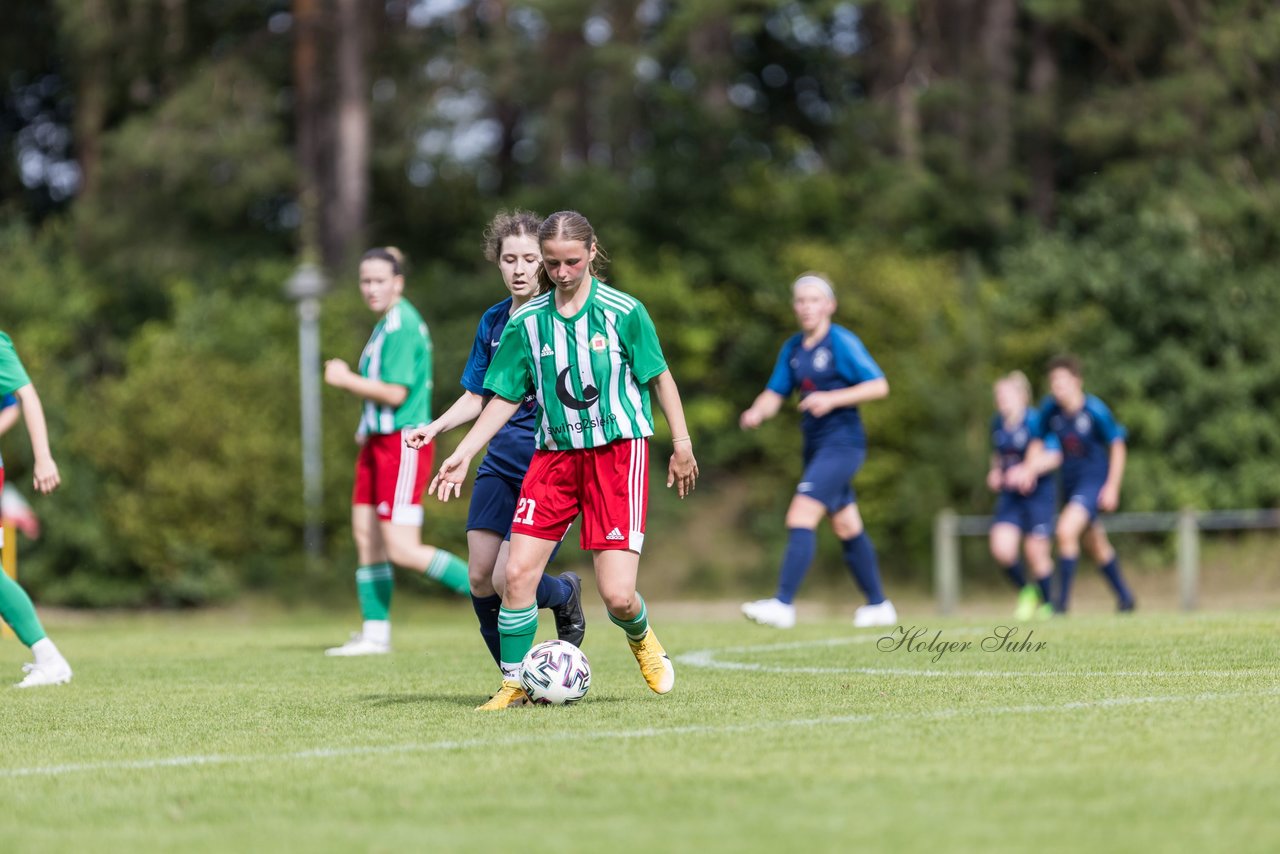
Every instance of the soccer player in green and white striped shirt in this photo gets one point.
(591, 355)
(49, 667)
(394, 384)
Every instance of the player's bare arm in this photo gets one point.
(1109, 495)
(8, 417)
(820, 403)
(766, 405)
(338, 374)
(453, 471)
(682, 470)
(46, 477)
(1038, 462)
(995, 476)
(465, 408)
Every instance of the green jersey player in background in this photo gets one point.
(49, 667)
(394, 383)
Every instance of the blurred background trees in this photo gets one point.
(988, 182)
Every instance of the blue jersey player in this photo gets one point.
(511, 241)
(1020, 519)
(833, 372)
(1091, 453)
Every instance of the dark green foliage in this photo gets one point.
(977, 213)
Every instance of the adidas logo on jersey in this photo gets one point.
(615, 534)
(547, 351)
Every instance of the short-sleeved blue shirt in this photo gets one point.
(511, 451)
(1085, 438)
(839, 360)
(1010, 443)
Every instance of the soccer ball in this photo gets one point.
(555, 673)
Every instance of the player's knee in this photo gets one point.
(481, 581)
(1068, 538)
(847, 530)
(518, 572)
(1003, 553)
(619, 602)
(399, 554)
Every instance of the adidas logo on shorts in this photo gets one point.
(615, 534)
(547, 351)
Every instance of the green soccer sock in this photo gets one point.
(374, 585)
(18, 612)
(451, 571)
(516, 630)
(636, 627)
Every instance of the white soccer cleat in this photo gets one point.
(359, 645)
(50, 673)
(771, 612)
(869, 616)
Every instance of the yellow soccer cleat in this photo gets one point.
(657, 668)
(510, 694)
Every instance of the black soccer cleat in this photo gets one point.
(571, 625)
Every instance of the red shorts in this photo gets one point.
(609, 486)
(391, 477)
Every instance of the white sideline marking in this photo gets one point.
(575, 735)
(709, 658)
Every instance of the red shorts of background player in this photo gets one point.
(391, 477)
(608, 485)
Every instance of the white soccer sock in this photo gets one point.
(378, 631)
(45, 652)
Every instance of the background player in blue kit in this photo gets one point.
(1092, 456)
(1021, 520)
(835, 374)
(511, 242)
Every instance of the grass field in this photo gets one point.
(231, 732)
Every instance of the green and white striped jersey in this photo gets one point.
(398, 352)
(590, 371)
(13, 375)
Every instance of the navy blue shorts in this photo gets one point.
(493, 504)
(1085, 493)
(828, 473)
(1033, 514)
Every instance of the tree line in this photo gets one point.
(987, 182)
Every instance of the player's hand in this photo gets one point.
(682, 470)
(448, 481)
(817, 403)
(1109, 497)
(421, 436)
(995, 480)
(750, 419)
(46, 477)
(337, 372)
(361, 437)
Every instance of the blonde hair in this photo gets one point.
(571, 225)
(1018, 379)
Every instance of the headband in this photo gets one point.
(814, 280)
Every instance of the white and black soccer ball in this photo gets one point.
(555, 673)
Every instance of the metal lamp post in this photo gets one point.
(306, 286)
